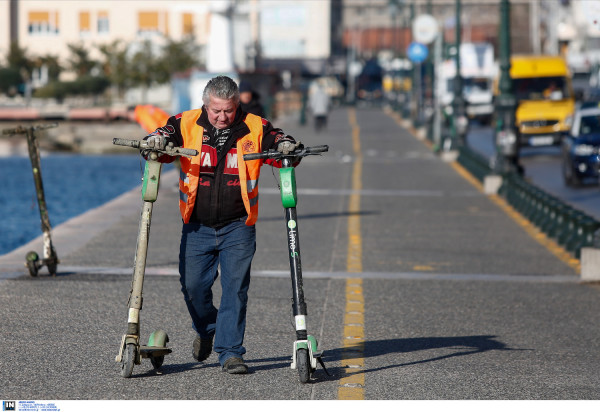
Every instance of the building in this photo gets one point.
(257, 30)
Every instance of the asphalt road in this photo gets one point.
(543, 166)
(457, 300)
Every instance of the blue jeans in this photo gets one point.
(202, 251)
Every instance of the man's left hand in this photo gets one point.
(287, 147)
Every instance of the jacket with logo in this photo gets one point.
(219, 197)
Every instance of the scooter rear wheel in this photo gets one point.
(31, 260)
(128, 360)
(303, 365)
(158, 339)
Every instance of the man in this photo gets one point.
(219, 206)
(250, 100)
(319, 102)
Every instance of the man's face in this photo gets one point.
(221, 112)
(245, 97)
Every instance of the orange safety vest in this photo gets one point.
(249, 171)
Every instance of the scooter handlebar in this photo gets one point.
(274, 154)
(23, 130)
(142, 145)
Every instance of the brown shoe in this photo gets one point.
(235, 366)
(202, 348)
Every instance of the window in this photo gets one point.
(103, 26)
(42, 22)
(84, 23)
(153, 22)
(148, 21)
(188, 23)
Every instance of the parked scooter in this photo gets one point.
(32, 260)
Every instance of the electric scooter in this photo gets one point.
(130, 351)
(305, 353)
(33, 263)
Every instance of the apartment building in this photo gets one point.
(278, 28)
(47, 27)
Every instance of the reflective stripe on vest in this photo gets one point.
(248, 172)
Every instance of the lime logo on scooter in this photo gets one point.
(292, 236)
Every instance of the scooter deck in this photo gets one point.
(152, 351)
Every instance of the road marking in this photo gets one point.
(376, 192)
(353, 382)
(417, 275)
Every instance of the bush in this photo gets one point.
(10, 79)
(83, 86)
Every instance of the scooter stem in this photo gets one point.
(149, 196)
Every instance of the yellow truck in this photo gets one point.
(545, 99)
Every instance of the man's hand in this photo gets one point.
(287, 147)
(156, 141)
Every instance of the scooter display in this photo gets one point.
(32, 259)
(130, 351)
(305, 353)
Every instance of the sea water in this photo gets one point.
(73, 184)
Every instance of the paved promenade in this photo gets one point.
(418, 286)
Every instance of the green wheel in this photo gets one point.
(303, 365)
(158, 339)
(128, 360)
(31, 260)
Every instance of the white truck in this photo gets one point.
(478, 70)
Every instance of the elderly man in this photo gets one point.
(219, 207)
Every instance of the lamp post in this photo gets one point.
(416, 79)
(459, 119)
(507, 148)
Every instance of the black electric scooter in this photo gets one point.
(305, 351)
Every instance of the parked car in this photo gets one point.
(581, 147)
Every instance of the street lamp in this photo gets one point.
(507, 146)
(459, 118)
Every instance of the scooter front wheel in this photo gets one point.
(303, 365)
(128, 360)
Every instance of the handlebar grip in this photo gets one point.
(317, 149)
(188, 152)
(126, 142)
(255, 156)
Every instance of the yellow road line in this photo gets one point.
(353, 342)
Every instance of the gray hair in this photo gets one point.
(222, 87)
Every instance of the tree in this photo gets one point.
(144, 67)
(17, 58)
(80, 61)
(18, 72)
(53, 65)
(177, 57)
(116, 65)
